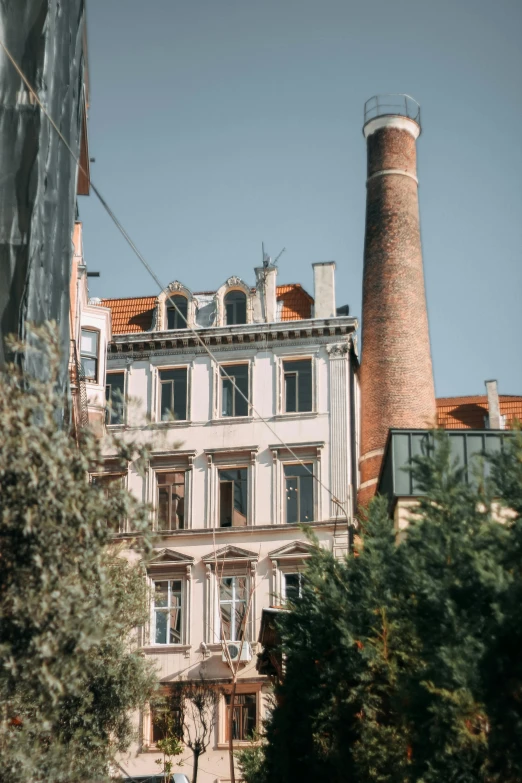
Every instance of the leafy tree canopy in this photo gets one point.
(70, 671)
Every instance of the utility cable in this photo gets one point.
(161, 287)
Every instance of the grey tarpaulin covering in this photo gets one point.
(37, 173)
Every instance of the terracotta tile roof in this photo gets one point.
(131, 315)
(297, 303)
(462, 413)
(135, 314)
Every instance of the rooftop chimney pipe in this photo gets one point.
(396, 372)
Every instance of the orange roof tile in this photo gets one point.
(135, 314)
(297, 303)
(462, 413)
(131, 315)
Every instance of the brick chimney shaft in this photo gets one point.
(396, 371)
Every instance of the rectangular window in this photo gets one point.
(244, 719)
(232, 402)
(89, 354)
(115, 397)
(110, 484)
(299, 486)
(293, 585)
(167, 612)
(232, 604)
(297, 386)
(233, 497)
(173, 394)
(171, 500)
(167, 715)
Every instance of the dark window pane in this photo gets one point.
(235, 307)
(166, 400)
(233, 497)
(227, 407)
(225, 503)
(306, 499)
(290, 392)
(298, 385)
(161, 628)
(292, 587)
(291, 501)
(299, 484)
(163, 508)
(173, 384)
(233, 402)
(114, 395)
(174, 319)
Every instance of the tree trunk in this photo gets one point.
(195, 769)
(230, 732)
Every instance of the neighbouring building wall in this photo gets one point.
(39, 176)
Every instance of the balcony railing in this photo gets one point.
(392, 104)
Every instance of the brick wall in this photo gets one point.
(396, 370)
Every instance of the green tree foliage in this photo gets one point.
(70, 671)
(402, 663)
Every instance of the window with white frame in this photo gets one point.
(297, 386)
(167, 619)
(173, 394)
(234, 384)
(170, 499)
(233, 601)
(115, 397)
(89, 348)
(299, 492)
(177, 315)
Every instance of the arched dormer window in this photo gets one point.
(166, 316)
(235, 308)
(175, 319)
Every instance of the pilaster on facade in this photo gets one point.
(339, 429)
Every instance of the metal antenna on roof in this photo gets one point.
(267, 260)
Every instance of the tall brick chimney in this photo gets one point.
(396, 372)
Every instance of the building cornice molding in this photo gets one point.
(242, 337)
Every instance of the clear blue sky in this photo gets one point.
(217, 124)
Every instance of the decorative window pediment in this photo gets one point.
(230, 554)
(170, 556)
(168, 561)
(295, 550)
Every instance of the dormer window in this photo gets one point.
(175, 319)
(235, 308)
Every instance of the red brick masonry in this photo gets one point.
(396, 372)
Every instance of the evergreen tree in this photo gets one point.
(402, 662)
(502, 666)
(70, 671)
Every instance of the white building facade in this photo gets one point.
(231, 481)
